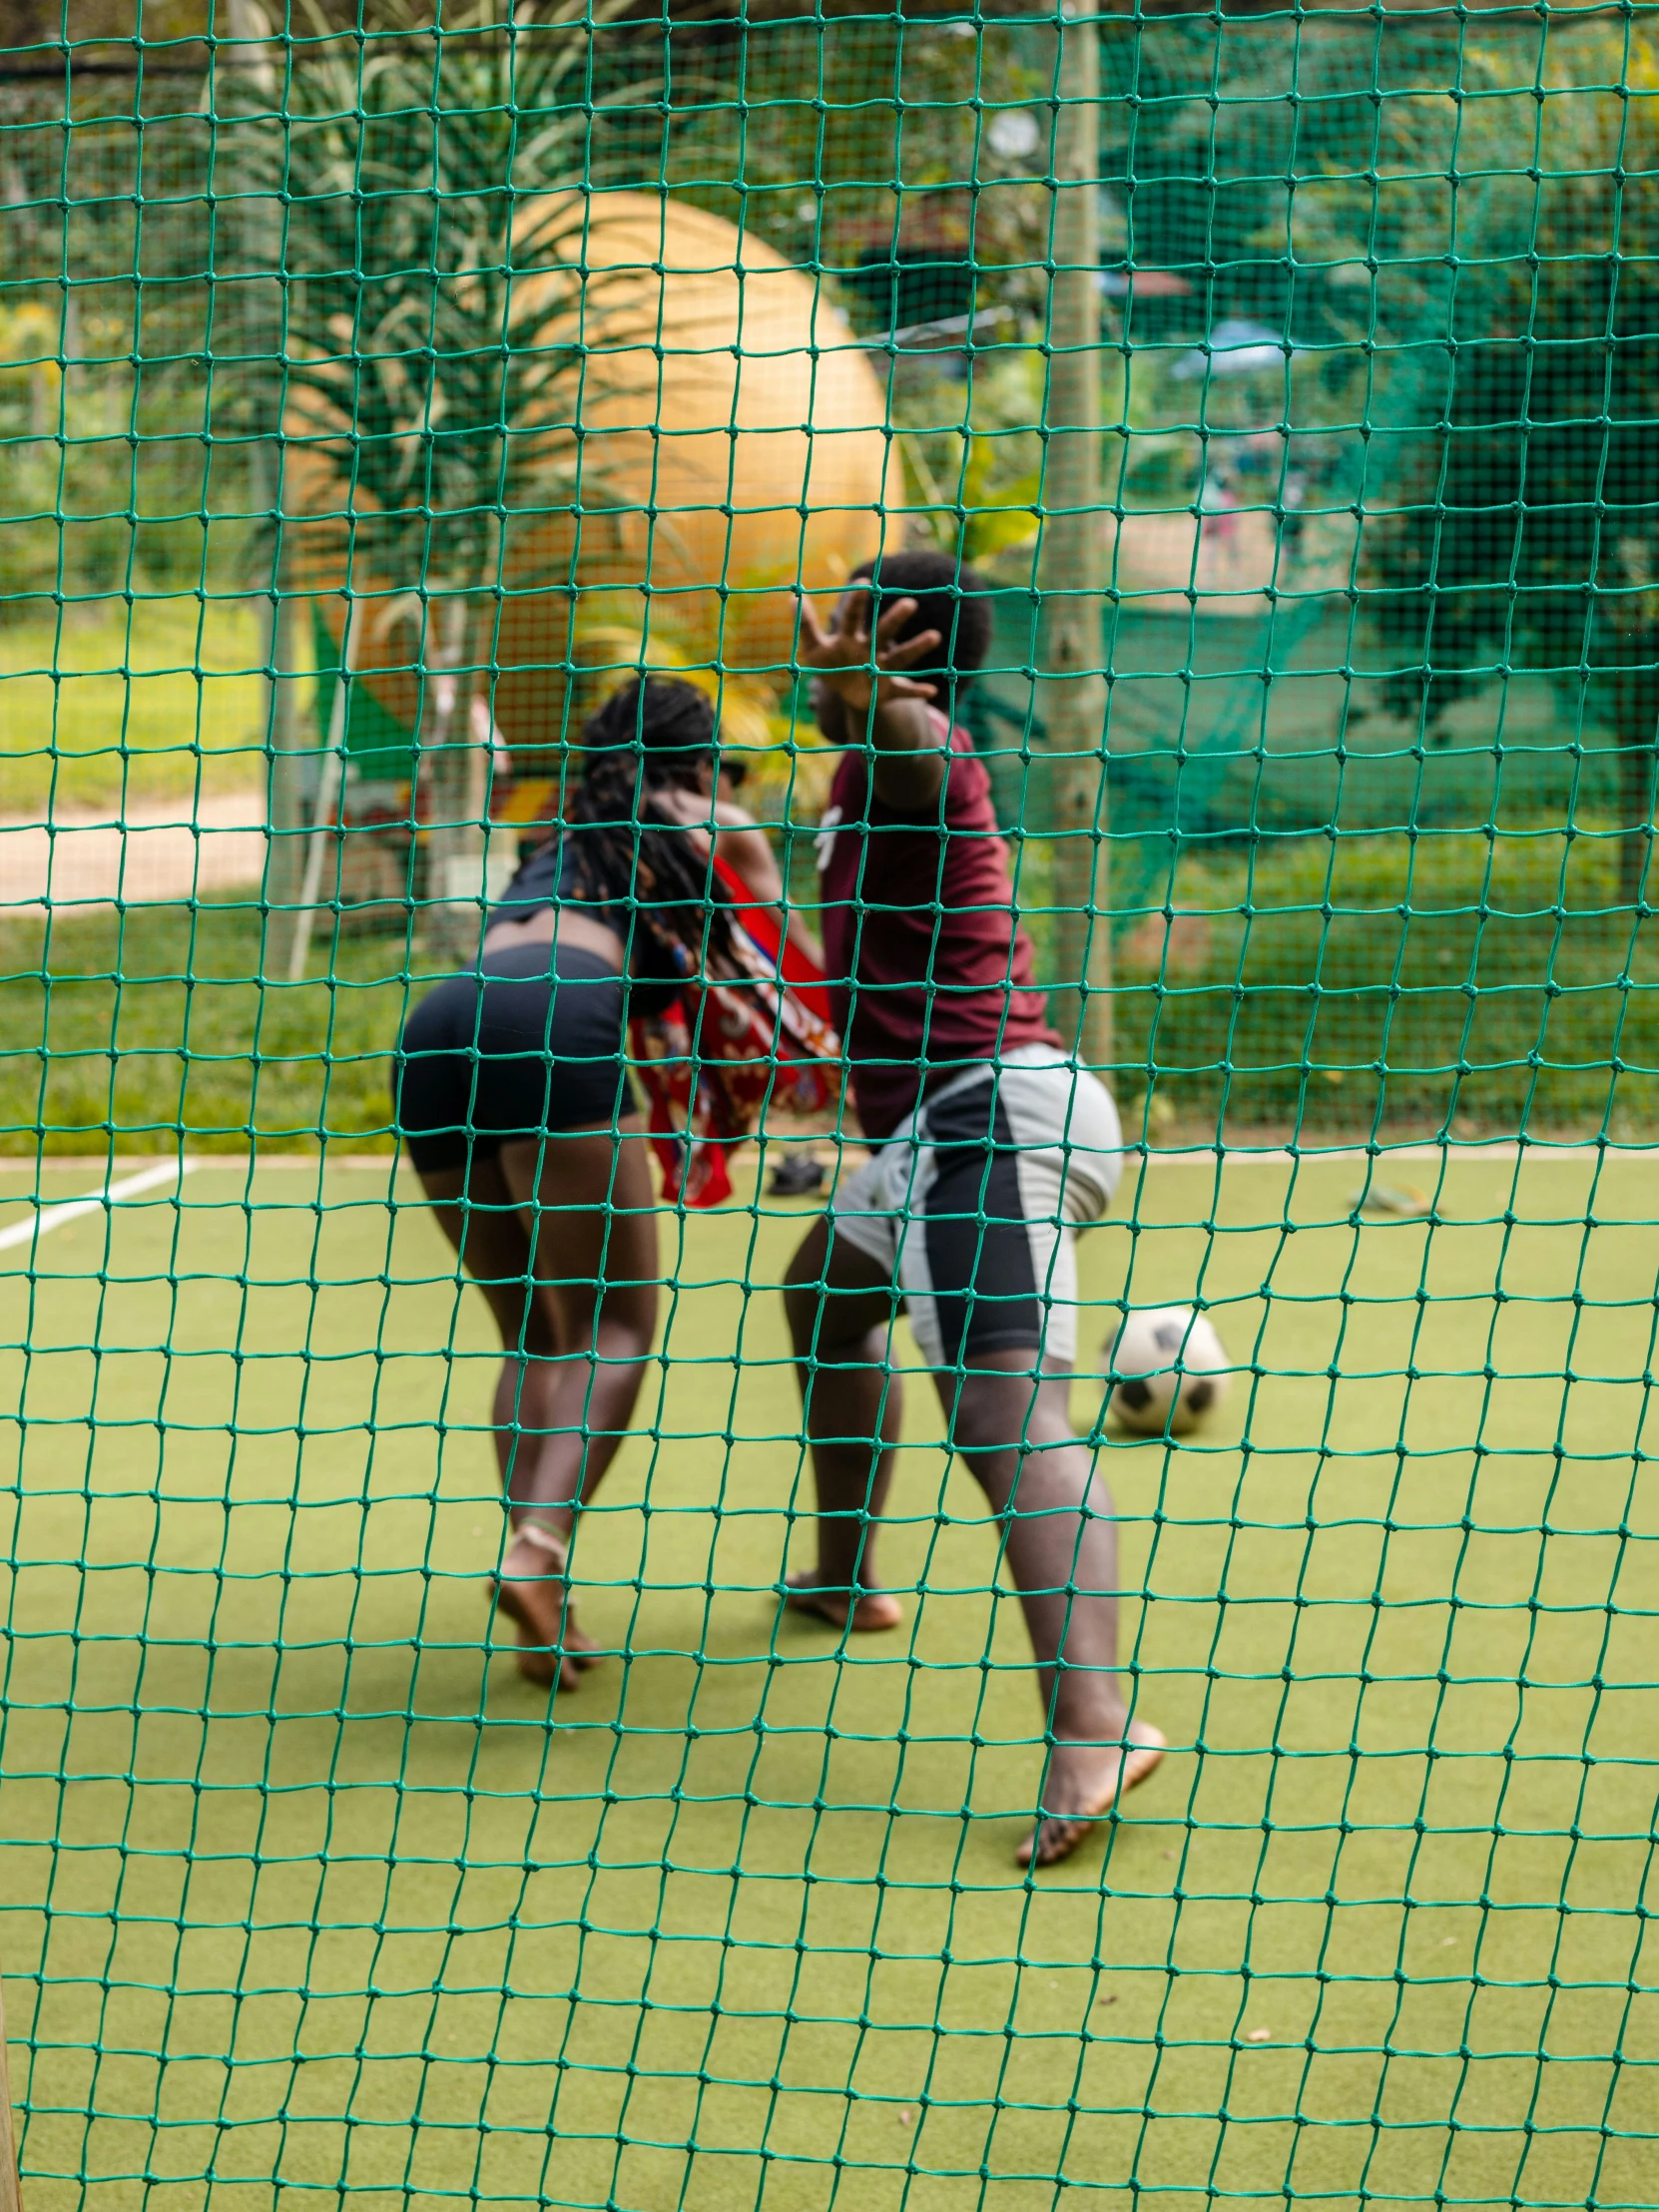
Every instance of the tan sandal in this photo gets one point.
(552, 1650)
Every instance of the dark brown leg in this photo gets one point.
(478, 1214)
(560, 1235)
(840, 1307)
(588, 1204)
(1013, 1431)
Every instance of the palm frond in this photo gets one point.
(420, 186)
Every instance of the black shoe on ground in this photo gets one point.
(797, 1175)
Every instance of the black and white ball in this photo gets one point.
(1166, 1370)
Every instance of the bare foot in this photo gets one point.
(1085, 1781)
(876, 1609)
(533, 1592)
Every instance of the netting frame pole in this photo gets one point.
(327, 818)
(250, 56)
(286, 786)
(11, 2184)
(459, 781)
(1071, 567)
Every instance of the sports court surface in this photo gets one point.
(297, 1865)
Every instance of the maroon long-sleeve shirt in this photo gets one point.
(929, 971)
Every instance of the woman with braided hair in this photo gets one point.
(516, 1106)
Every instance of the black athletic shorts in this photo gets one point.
(973, 1204)
(515, 1050)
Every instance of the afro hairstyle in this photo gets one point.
(950, 598)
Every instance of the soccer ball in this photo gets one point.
(1171, 1371)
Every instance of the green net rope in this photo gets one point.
(376, 396)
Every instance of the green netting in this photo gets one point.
(378, 393)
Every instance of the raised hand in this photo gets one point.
(853, 663)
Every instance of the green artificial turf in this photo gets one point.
(317, 1900)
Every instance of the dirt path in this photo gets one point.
(153, 853)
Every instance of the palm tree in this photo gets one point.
(423, 176)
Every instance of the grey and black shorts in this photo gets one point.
(974, 1205)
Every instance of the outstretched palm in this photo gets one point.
(857, 664)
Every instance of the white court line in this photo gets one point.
(1312, 1155)
(49, 1218)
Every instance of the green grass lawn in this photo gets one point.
(1450, 977)
(318, 1899)
(1497, 980)
(147, 704)
(132, 1026)
(1511, 992)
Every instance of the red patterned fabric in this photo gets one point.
(729, 1048)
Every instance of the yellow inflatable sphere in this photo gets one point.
(731, 447)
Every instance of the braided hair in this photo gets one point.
(655, 734)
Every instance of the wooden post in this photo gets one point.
(249, 62)
(11, 2187)
(327, 820)
(286, 800)
(456, 843)
(284, 772)
(1071, 570)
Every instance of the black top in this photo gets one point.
(550, 878)
(546, 878)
